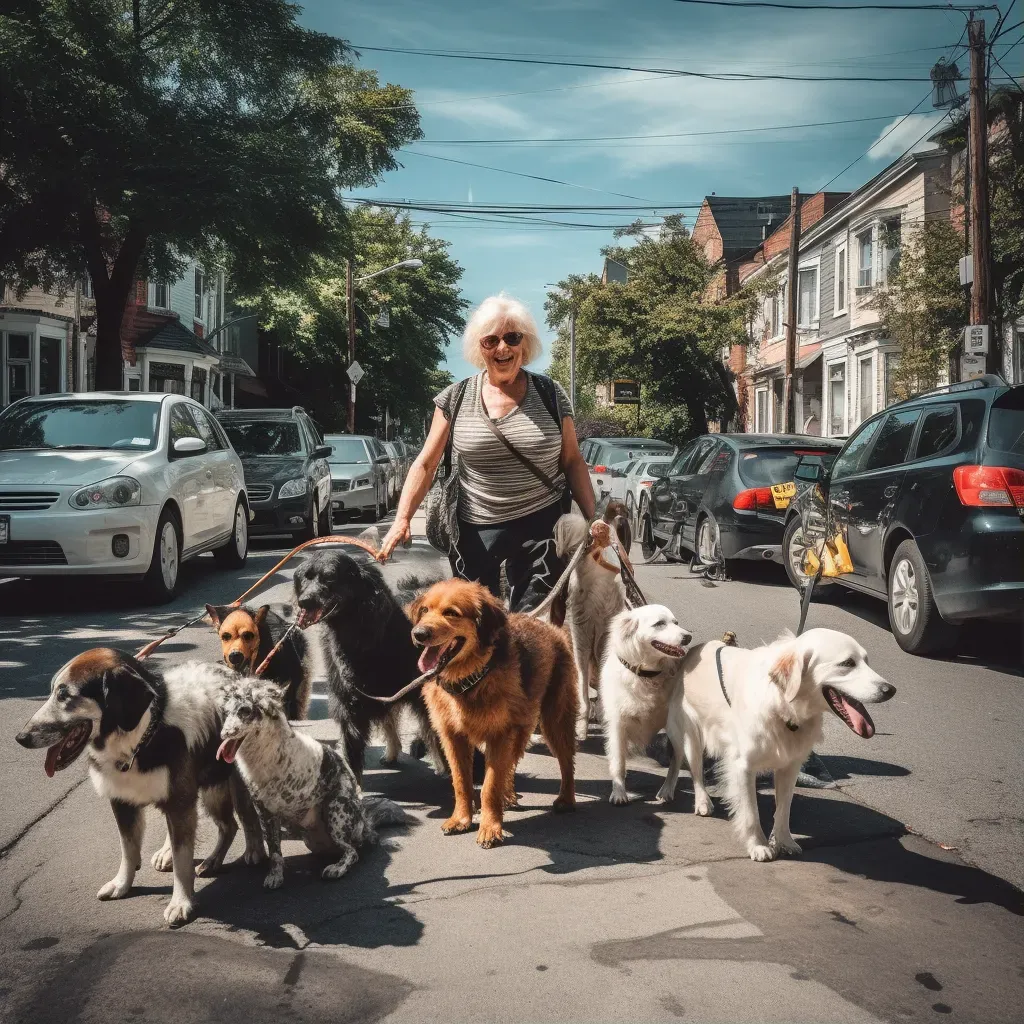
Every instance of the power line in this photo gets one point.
(836, 7)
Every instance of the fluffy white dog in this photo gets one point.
(639, 676)
(595, 597)
(762, 711)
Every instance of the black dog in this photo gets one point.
(368, 647)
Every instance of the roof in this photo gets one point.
(739, 223)
(232, 363)
(172, 337)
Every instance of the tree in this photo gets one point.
(401, 360)
(655, 328)
(142, 133)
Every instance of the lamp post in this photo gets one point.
(572, 348)
(350, 302)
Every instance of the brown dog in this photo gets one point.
(497, 674)
(248, 635)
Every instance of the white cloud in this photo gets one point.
(453, 105)
(904, 134)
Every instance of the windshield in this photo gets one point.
(101, 424)
(347, 451)
(763, 468)
(657, 469)
(1006, 423)
(264, 437)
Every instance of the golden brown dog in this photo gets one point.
(496, 675)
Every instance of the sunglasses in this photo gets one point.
(512, 338)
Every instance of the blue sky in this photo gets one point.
(470, 99)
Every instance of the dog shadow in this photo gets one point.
(841, 767)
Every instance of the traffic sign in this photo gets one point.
(355, 373)
(626, 392)
(976, 340)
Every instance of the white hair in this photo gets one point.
(498, 315)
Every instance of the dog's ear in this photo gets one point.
(216, 614)
(415, 609)
(126, 695)
(629, 627)
(490, 621)
(261, 614)
(788, 671)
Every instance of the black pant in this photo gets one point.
(525, 545)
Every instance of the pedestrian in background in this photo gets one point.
(518, 459)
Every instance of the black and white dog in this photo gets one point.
(368, 648)
(297, 781)
(151, 739)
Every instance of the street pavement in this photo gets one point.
(903, 905)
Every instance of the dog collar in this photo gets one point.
(644, 673)
(790, 724)
(465, 684)
(155, 719)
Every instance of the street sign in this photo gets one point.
(966, 271)
(355, 373)
(626, 392)
(971, 366)
(976, 340)
(384, 317)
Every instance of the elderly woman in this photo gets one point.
(507, 511)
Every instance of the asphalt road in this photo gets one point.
(638, 913)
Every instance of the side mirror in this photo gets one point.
(382, 460)
(322, 451)
(189, 446)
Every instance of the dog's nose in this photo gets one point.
(886, 690)
(421, 634)
(24, 738)
(235, 658)
(687, 637)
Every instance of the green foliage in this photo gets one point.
(402, 360)
(655, 328)
(1006, 186)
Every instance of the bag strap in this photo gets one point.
(457, 396)
(539, 474)
(546, 389)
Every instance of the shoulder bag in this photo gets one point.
(442, 504)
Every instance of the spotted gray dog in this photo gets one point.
(298, 782)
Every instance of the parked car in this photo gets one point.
(639, 475)
(359, 474)
(738, 485)
(399, 468)
(606, 457)
(286, 471)
(929, 497)
(120, 485)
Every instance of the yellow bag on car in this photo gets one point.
(835, 558)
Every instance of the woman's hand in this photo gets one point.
(400, 533)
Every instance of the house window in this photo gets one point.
(867, 388)
(840, 297)
(761, 425)
(88, 292)
(49, 366)
(807, 305)
(865, 259)
(837, 399)
(161, 295)
(199, 385)
(890, 245)
(167, 377)
(200, 289)
(778, 314)
(19, 366)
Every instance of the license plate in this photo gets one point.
(5, 529)
(783, 494)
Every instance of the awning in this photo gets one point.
(806, 356)
(231, 363)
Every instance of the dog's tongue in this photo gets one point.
(227, 750)
(429, 659)
(852, 712)
(52, 754)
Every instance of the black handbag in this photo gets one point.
(442, 504)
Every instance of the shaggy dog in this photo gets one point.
(638, 679)
(595, 597)
(763, 712)
(495, 675)
(366, 636)
(296, 781)
(151, 739)
(247, 636)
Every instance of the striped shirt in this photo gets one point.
(495, 487)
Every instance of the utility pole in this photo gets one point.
(792, 312)
(981, 239)
(350, 305)
(572, 358)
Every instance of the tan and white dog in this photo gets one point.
(764, 713)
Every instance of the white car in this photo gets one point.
(640, 476)
(119, 485)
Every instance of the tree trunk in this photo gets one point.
(110, 303)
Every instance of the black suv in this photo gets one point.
(929, 497)
(287, 475)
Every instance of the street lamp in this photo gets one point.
(572, 347)
(413, 264)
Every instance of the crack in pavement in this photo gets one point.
(6, 848)
(16, 891)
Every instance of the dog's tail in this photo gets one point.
(729, 638)
(381, 812)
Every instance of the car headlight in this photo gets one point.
(363, 481)
(114, 492)
(292, 488)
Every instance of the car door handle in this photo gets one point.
(890, 490)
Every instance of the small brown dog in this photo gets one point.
(247, 636)
(497, 674)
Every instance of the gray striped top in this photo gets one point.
(494, 486)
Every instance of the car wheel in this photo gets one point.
(795, 546)
(313, 529)
(630, 506)
(647, 544)
(913, 615)
(704, 543)
(325, 524)
(374, 513)
(233, 554)
(160, 584)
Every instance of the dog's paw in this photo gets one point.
(582, 730)
(785, 844)
(564, 804)
(417, 748)
(619, 795)
(491, 835)
(333, 871)
(209, 866)
(594, 713)
(275, 875)
(115, 889)
(453, 826)
(665, 794)
(254, 855)
(179, 911)
(703, 805)
(387, 761)
(162, 860)
(510, 802)
(762, 852)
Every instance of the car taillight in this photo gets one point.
(646, 483)
(600, 469)
(989, 485)
(753, 499)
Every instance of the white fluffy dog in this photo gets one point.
(764, 713)
(639, 676)
(595, 597)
